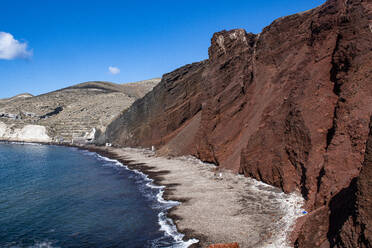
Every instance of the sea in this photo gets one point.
(54, 196)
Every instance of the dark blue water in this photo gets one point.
(63, 197)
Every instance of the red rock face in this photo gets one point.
(290, 107)
(233, 245)
(157, 118)
(351, 208)
(364, 200)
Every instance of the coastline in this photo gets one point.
(224, 208)
(157, 180)
(215, 208)
(166, 223)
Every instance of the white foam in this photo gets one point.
(166, 224)
(170, 229)
(44, 244)
(290, 204)
(38, 244)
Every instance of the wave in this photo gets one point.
(44, 244)
(291, 205)
(37, 244)
(166, 224)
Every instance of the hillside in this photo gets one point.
(19, 96)
(69, 113)
(290, 106)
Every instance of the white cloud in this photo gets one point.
(114, 70)
(11, 48)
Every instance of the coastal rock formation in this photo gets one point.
(77, 113)
(354, 218)
(165, 108)
(29, 133)
(289, 106)
(364, 201)
(233, 245)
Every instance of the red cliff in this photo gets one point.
(289, 106)
(351, 208)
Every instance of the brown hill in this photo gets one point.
(72, 112)
(290, 106)
(19, 96)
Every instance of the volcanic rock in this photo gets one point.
(351, 208)
(233, 245)
(289, 106)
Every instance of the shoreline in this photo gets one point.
(166, 223)
(157, 179)
(270, 213)
(229, 209)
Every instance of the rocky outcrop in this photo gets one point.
(233, 245)
(351, 208)
(74, 114)
(165, 108)
(29, 133)
(289, 106)
(364, 202)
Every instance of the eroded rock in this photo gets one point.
(289, 106)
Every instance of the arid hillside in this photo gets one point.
(76, 112)
(290, 106)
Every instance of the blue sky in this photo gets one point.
(73, 41)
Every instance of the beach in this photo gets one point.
(215, 206)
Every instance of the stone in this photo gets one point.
(231, 245)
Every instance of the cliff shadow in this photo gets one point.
(342, 206)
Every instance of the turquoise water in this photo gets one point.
(54, 196)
